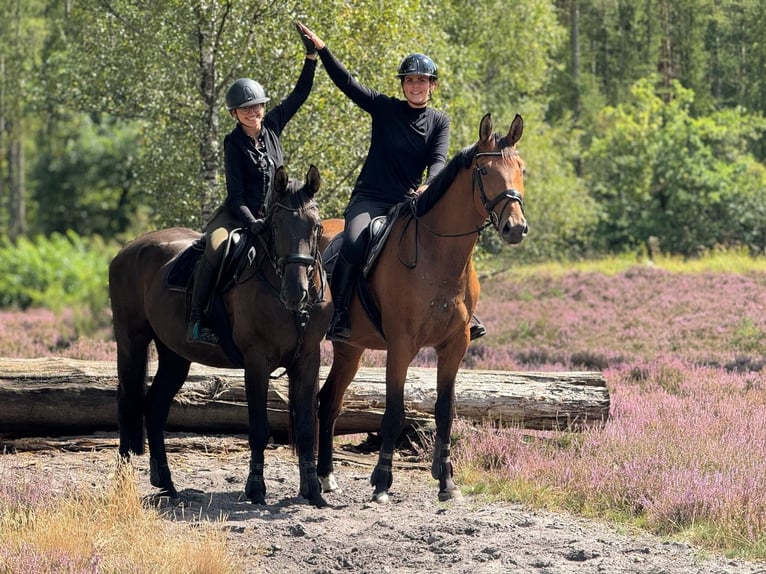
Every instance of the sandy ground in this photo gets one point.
(414, 533)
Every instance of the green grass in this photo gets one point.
(719, 261)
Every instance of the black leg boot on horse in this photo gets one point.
(342, 283)
(205, 276)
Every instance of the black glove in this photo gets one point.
(310, 47)
(257, 226)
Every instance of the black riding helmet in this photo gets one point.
(245, 92)
(418, 65)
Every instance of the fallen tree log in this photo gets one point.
(56, 396)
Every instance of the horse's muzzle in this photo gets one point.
(295, 300)
(513, 232)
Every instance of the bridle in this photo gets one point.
(509, 195)
(278, 264)
(298, 258)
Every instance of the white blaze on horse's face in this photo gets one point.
(500, 178)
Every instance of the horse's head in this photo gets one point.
(293, 217)
(498, 174)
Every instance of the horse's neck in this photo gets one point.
(455, 214)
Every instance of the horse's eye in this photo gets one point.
(483, 171)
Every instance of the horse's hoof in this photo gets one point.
(318, 501)
(255, 488)
(159, 476)
(313, 493)
(450, 494)
(330, 484)
(381, 497)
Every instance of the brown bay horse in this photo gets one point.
(425, 288)
(278, 309)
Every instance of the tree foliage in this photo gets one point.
(658, 171)
(642, 118)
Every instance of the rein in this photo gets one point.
(509, 195)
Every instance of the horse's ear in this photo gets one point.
(485, 128)
(313, 181)
(515, 131)
(280, 179)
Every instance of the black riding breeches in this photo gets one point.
(356, 235)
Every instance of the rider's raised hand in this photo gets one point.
(308, 35)
(307, 42)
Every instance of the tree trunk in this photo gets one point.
(65, 396)
(575, 47)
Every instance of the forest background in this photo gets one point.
(644, 118)
(644, 133)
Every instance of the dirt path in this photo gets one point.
(412, 534)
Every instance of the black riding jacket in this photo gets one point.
(403, 142)
(250, 171)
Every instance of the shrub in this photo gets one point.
(57, 272)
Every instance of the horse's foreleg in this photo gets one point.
(303, 395)
(171, 374)
(444, 411)
(256, 387)
(390, 428)
(392, 424)
(344, 366)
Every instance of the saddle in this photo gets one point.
(380, 229)
(181, 273)
(238, 252)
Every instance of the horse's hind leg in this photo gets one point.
(345, 364)
(132, 355)
(171, 373)
(449, 359)
(304, 383)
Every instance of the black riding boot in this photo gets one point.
(343, 278)
(477, 328)
(204, 280)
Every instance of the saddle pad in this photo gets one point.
(180, 274)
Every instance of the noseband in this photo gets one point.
(509, 195)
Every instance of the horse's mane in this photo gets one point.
(443, 179)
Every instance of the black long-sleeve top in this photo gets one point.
(249, 170)
(404, 142)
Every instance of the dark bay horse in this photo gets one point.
(278, 309)
(425, 289)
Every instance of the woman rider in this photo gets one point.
(407, 139)
(252, 154)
